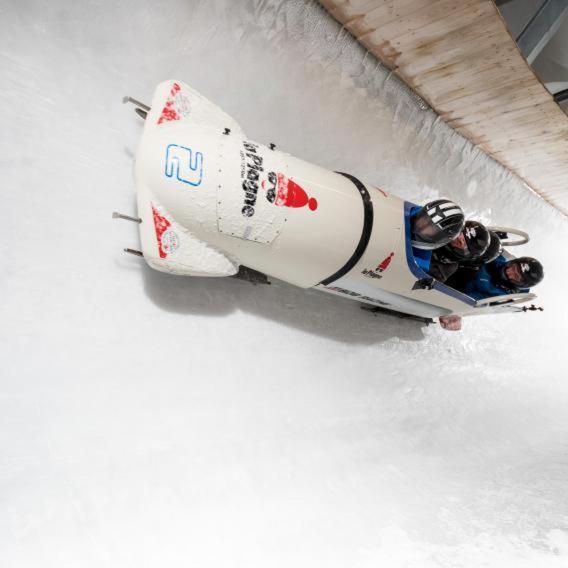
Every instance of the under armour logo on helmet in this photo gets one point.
(470, 232)
(525, 267)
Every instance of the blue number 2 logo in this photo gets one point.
(185, 164)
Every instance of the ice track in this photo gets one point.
(148, 420)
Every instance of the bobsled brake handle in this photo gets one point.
(531, 308)
(504, 232)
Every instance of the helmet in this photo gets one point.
(523, 272)
(494, 250)
(436, 224)
(472, 244)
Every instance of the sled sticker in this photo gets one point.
(186, 164)
(168, 240)
(280, 190)
(243, 211)
(176, 107)
(251, 171)
(285, 192)
(360, 297)
(377, 272)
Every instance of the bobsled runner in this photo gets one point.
(211, 201)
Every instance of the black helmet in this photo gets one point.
(436, 224)
(494, 250)
(523, 272)
(475, 242)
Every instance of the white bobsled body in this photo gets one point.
(211, 200)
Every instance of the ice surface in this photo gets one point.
(152, 420)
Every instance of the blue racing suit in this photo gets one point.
(484, 284)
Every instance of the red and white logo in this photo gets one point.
(378, 272)
(285, 192)
(168, 240)
(176, 107)
(385, 263)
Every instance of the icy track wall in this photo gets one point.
(148, 420)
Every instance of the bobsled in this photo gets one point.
(211, 201)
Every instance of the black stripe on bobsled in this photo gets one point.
(365, 234)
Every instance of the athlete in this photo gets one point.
(435, 224)
(470, 244)
(468, 268)
(499, 278)
(502, 277)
